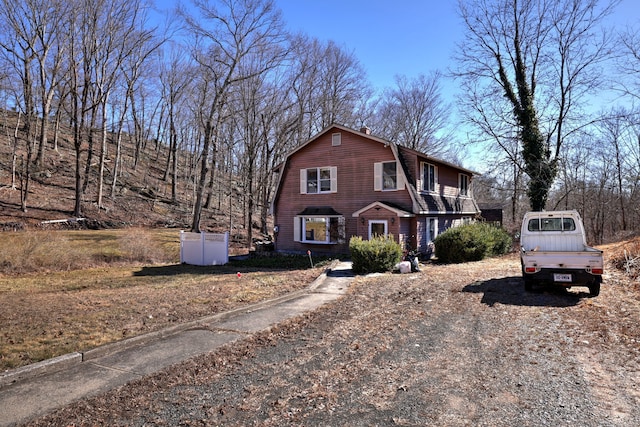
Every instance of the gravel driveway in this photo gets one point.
(454, 345)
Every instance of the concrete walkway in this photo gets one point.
(40, 388)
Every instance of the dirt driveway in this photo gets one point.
(451, 346)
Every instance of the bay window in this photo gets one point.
(319, 229)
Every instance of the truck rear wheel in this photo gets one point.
(594, 287)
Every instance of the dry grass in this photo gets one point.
(625, 256)
(71, 291)
(40, 251)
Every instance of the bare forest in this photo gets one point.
(195, 105)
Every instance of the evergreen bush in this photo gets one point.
(377, 255)
(471, 242)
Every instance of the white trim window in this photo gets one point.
(319, 180)
(319, 229)
(463, 184)
(432, 229)
(387, 177)
(378, 228)
(429, 177)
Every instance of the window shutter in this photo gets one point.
(399, 176)
(296, 229)
(303, 181)
(377, 176)
(334, 179)
(419, 184)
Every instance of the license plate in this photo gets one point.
(562, 277)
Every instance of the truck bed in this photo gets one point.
(559, 241)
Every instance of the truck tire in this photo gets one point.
(528, 282)
(594, 287)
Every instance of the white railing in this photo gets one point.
(204, 248)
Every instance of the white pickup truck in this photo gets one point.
(554, 250)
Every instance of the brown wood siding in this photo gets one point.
(447, 183)
(448, 180)
(354, 160)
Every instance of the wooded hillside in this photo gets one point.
(141, 195)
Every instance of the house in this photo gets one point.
(491, 213)
(343, 183)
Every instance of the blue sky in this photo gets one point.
(391, 37)
(406, 37)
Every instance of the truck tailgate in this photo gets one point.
(544, 259)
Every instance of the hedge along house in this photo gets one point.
(343, 183)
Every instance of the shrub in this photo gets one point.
(471, 242)
(377, 255)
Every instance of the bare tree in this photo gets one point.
(261, 105)
(18, 42)
(123, 41)
(628, 63)
(175, 77)
(415, 115)
(231, 32)
(534, 59)
(327, 84)
(123, 55)
(342, 83)
(49, 27)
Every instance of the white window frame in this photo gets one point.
(378, 177)
(426, 184)
(431, 229)
(379, 221)
(336, 139)
(463, 185)
(333, 180)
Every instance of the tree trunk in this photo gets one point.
(202, 180)
(103, 153)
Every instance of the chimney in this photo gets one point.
(365, 130)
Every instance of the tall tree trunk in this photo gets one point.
(174, 171)
(26, 173)
(90, 139)
(14, 155)
(103, 153)
(202, 179)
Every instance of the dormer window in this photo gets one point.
(429, 177)
(463, 186)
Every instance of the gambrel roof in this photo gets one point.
(421, 203)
